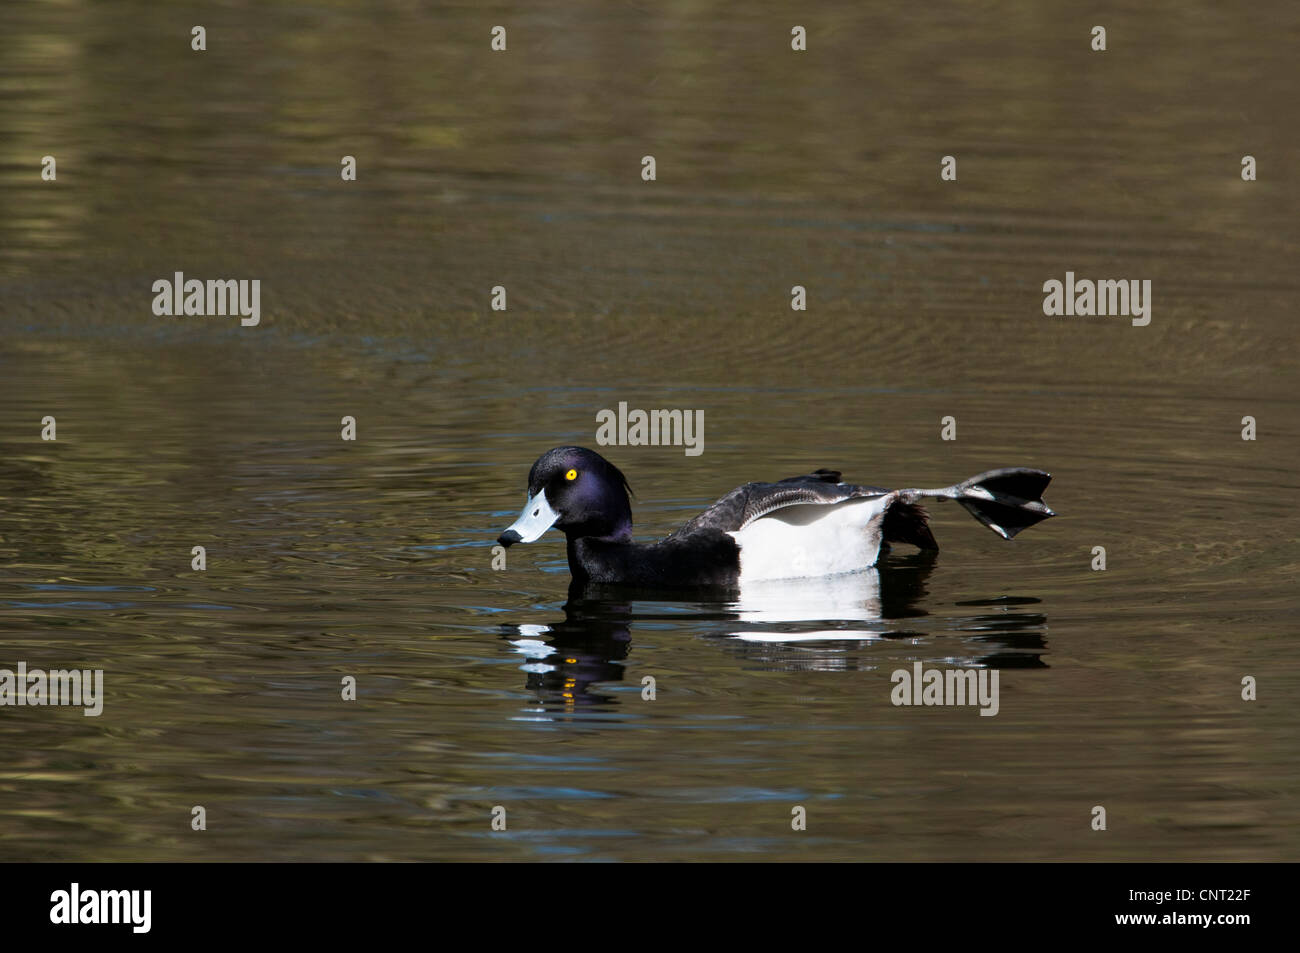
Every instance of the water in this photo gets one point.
(372, 559)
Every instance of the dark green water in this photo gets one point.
(373, 558)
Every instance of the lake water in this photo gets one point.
(480, 687)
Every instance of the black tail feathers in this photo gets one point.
(907, 523)
(1006, 500)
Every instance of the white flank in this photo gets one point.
(830, 635)
(796, 542)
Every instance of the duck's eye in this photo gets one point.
(571, 475)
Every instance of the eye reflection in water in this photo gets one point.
(799, 625)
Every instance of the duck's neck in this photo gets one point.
(599, 558)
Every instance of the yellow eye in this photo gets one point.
(571, 475)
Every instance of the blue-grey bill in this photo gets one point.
(535, 520)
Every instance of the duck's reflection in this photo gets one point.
(808, 624)
(565, 659)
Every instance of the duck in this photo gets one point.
(798, 527)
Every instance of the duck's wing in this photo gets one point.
(753, 501)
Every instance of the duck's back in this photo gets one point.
(753, 501)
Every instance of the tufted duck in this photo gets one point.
(803, 526)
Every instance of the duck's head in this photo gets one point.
(577, 491)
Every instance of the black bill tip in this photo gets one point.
(509, 538)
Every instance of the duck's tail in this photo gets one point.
(1006, 500)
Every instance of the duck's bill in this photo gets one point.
(535, 520)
